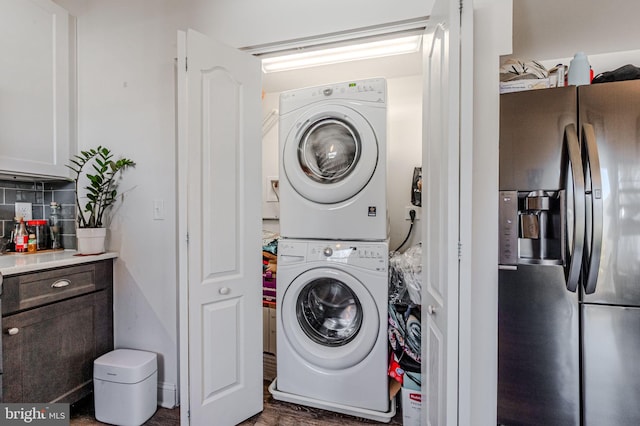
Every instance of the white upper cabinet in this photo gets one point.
(34, 88)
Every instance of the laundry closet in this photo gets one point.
(380, 104)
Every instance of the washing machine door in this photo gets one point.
(329, 318)
(330, 154)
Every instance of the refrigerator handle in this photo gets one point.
(594, 191)
(575, 230)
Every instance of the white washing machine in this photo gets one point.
(332, 326)
(333, 161)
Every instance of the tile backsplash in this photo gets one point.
(39, 194)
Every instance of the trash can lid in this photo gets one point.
(125, 366)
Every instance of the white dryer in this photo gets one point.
(332, 326)
(333, 161)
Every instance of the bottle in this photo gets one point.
(55, 225)
(579, 70)
(32, 243)
(21, 237)
(12, 239)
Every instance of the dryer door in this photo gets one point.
(329, 318)
(330, 154)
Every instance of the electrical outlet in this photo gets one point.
(272, 189)
(24, 210)
(408, 209)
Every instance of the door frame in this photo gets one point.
(466, 144)
(183, 235)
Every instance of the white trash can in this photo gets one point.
(125, 387)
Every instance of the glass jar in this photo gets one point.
(32, 244)
(41, 231)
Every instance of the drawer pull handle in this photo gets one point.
(13, 331)
(60, 283)
(224, 291)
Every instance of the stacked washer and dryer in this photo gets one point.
(332, 294)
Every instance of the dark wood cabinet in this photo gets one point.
(55, 323)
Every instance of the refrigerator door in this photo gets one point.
(613, 109)
(538, 338)
(532, 129)
(611, 375)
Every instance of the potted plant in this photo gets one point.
(102, 172)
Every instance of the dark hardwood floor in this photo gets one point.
(82, 414)
(278, 413)
(275, 413)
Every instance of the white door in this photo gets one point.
(219, 148)
(441, 156)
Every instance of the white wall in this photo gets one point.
(126, 52)
(600, 62)
(270, 159)
(546, 29)
(479, 303)
(404, 152)
(243, 23)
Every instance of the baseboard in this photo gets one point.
(167, 397)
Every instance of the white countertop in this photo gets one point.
(17, 263)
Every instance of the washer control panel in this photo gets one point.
(367, 255)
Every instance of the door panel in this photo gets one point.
(221, 168)
(538, 348)
(531, 138)
(436, 281)
(435, 374)
(35, 81)
(613, 109)
(219, 143)
(611, 375)
(220, 379)
(65, 338)
(441, 156)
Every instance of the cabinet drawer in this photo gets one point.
(39, 288)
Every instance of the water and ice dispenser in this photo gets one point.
(531, 227)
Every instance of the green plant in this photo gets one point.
(102, 188)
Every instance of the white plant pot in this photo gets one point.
(91, 240)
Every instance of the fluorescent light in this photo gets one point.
(375, 49)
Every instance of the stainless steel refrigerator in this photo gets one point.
(569, 273)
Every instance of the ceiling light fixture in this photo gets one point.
(374, 49)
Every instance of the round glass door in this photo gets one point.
(329, 318)
(329, 151)
(329, 312)
(330, 154)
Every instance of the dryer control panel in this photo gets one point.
(370, 90)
